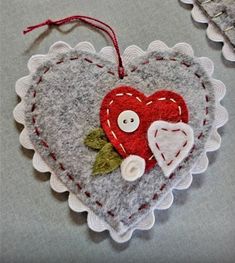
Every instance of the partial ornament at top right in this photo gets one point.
(220, 17)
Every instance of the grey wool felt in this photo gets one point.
(222, 14)
(62, 107)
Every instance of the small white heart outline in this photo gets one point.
(155, 145)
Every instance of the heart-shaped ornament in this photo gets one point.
(61, 101)
(170, 143)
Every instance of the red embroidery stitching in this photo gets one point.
(87, 194)
(62, 167)
(74, 58)
(111, 213)
(162, 187)
(79, 186)
(39, 80)
(172, 176)
(143, 206)
(53, 156)
(44, 143)
(197, 75)
(33, 107)
(185, 64)
(37, 131)
(200, 135)
(45, 71)
(170, 163)
(70, 177)
(163, 157)
(159, 58)
(110, 72)
(145, 62)
(133, 69)
(98, 203)
(155, 197)
(59, 62)
(99, 66)
(177, 154)
(88, 60)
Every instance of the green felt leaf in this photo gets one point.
(96, 139)
(107, 160)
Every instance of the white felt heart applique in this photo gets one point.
(170, 143)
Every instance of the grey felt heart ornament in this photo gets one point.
(61, 101)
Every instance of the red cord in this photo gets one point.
(92, 22)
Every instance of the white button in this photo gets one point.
(128, 121)
(132, 168)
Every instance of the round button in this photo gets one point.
(128, 121)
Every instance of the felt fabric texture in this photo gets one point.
(222, 14)
(170, 143)
(132, 168)
(96, 139)
(63, 102)
(161, 105)
(107, 160)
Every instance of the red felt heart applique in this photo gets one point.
(126, 114)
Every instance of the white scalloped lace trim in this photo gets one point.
(212, 31)
(94, 222)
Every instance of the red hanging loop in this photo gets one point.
(92, 22)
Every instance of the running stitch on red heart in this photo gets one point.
(137, 98)
(78, 184)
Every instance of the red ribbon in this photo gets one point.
(92, 22)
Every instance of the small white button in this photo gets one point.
(128, 121)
